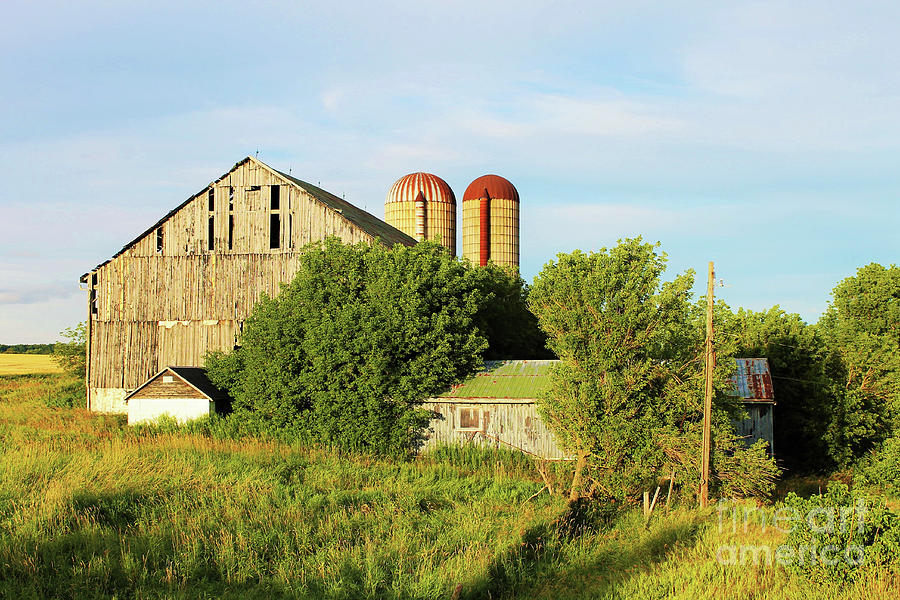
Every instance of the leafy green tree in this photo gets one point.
(70, 356)
(511, 329)
(626, 399)
(347, 351)
(862, 330)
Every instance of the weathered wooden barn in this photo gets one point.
(496, 408)
(753, 385)
(185, 285)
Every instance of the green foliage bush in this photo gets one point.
(347, 351)
(881, 468)
(70, 395)
(833, 534)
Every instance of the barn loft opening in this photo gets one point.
(290, 234)
(275, 202)
(94, 308)
(274, 231)
(211, 233)
(212, 199)
(230, 232)
(159, 240)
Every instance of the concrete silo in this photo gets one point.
(490, 222)
(423, 205)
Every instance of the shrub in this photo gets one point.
(834, 533)
(881, 468)
(347, 351)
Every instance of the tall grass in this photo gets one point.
(90, 508)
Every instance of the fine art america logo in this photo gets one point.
(841, 522)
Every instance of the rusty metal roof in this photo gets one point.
(753, 380)
(388, 234)
(431, 186)
(496, 187)
(513, 379)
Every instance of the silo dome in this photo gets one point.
(491, 222)
(423, 206)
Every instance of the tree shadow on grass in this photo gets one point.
(558, 559)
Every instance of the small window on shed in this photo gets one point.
(212, 199)
(275, 201)
(211, 232)
(168, 379)
(274, 231)
(469, 418)
(159, 240)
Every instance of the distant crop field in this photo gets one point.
(25, 364)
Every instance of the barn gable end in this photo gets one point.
(184, 286)
(183, 393)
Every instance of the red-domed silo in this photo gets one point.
(423, 206)
(490, 222)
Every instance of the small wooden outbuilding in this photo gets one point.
(496, 408)
(753, 385)
(183, 393)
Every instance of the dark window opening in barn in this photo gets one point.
(94, 279)
(212, 199)
(159, 240)
(231, 198)
(254, 188)
(469, 418)
(211, 232)
(230, 232)
(276, 197)
(290, 234)
(94, 309)
(274, 231)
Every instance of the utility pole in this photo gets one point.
(707, 404)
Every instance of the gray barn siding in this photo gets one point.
(506, 423)
(759, 424)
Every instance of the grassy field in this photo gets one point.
(23, 364)
(92, 509)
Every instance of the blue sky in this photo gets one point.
(763, 136)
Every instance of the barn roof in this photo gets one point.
(511, 379)
(194, 377)
(362, 219)
(753, 380)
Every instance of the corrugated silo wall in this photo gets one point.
(504, 231)
(440, 220)
(490, 422)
